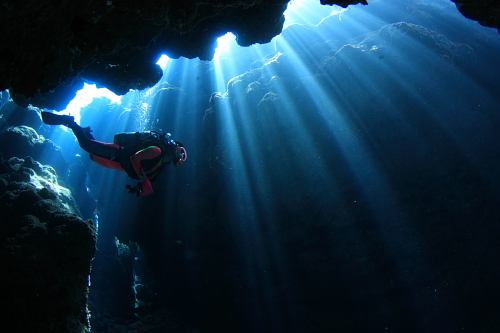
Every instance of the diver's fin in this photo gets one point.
(56, 119)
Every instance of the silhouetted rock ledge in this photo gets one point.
(46, 251)
(50, 48)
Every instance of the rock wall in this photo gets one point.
(46, 247)
(46, 252)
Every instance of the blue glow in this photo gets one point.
(85, 96)
(89, 91)
(310, 12)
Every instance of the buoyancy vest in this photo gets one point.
(132, 142)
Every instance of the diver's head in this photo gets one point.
(180, 154)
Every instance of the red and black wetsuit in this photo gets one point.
(144, 162)
(136, 159)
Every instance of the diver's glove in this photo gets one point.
(137, 189)
(141, 189)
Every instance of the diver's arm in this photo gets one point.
(147, 188)
(144, 154)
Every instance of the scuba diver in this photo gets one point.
(142, 155)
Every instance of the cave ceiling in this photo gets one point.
(50, 48)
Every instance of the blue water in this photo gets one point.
(344, 178)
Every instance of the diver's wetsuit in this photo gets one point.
(104, 154)
(92, 146)
(141, 162)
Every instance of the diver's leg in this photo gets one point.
(85, 139)
(90, 145)
(56, 119)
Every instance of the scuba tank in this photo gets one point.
(127, 139)
(131, 142)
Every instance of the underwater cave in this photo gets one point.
(314, 166)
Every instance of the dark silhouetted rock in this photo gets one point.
(49, 48)
(485, 12)
(46, 252)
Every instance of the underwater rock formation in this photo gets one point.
(12, 114)
(116, 44)
(49, 48)
(485, 12)
(46, 251)
(25, 141)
